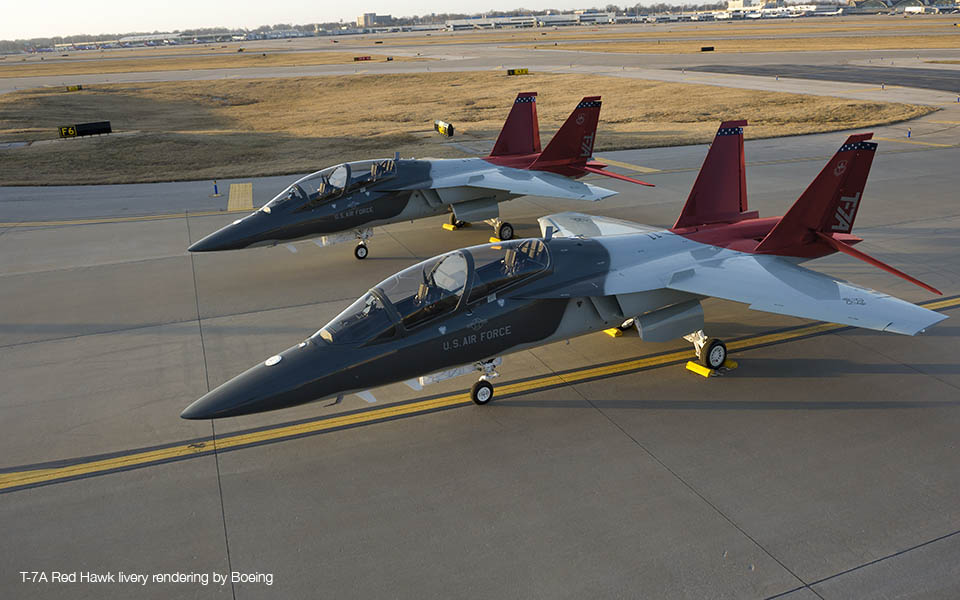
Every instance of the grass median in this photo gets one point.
(245, 128)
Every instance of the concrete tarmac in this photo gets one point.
(944, 80)
(825, 466)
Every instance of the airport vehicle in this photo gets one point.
(345, 202)
(458, 313)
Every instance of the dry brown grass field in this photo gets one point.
(236, 60)
(245, 128)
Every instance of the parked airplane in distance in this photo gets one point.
(346, 202)
(458, 313)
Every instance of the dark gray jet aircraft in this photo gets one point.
(458, 313)
(345, 202)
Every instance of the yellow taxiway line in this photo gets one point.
(624, 165)
(13, 480)
(915, 142)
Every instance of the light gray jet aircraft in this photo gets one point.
(346, 202)
(458, 313)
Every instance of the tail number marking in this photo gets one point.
(845, 212)
(586, 146)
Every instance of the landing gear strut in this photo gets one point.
(482, 391)
(501, 229)
(711, 352)
(457, 223)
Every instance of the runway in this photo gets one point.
(825, 466)
(944, 80)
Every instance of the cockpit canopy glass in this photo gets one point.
(497, 266)
(330, 183)
(433, 288)
(364, 320)
(428, 289)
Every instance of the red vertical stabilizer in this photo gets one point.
(572, 146)
(521, 131)
(720, 193)
(828, 206)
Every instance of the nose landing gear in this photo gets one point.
(361, 251)
(482, 391)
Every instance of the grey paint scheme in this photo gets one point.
(472, 188)
(589, 284)
(525, 315)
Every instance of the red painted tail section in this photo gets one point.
(572, 146)
(521, 131)
(828, 206)
(720, 192)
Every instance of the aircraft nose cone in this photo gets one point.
(286, 379)
(232, 237)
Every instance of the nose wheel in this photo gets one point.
(482, 392)
(361, 251)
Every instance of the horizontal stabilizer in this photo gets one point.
(772, 284)
(849, 250)
(600, 171)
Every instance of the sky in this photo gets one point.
(25, 19)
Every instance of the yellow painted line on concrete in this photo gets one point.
(17, 479)
(624, 165)
(942, 122)
(205, 213)
(914, 142)
(241, 197)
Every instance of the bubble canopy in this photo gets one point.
(331, 183)
(433, 288)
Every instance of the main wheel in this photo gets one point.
(505, 231)
(455, 221)
(482, 392)
(361, 251)
(714, 353)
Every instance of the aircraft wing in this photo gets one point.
(574, 224)
(526, 183)
(770, 284)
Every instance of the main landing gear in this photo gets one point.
(482, 391)
(502, 230)
(711, 352)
